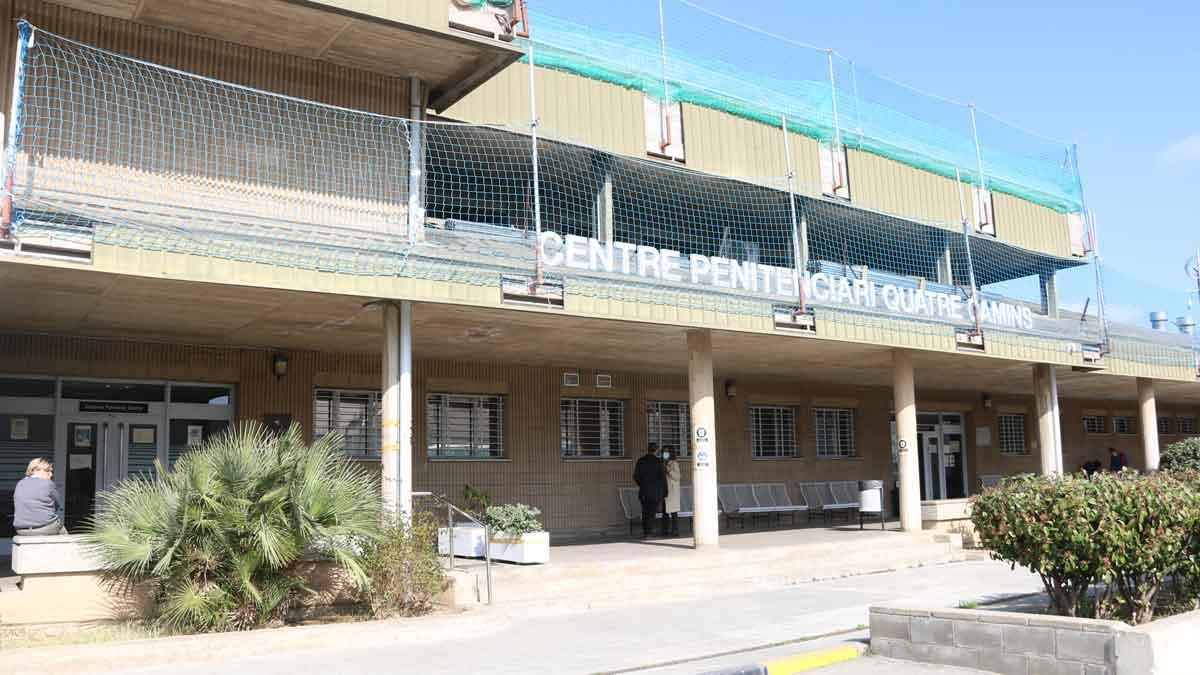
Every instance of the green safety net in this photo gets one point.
(1014, 161)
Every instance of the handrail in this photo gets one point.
(451, 509)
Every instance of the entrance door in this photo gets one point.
(943, 455)
(103, 449)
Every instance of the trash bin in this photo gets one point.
(870, 500)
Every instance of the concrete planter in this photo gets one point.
(525, 549)
(468, 541)
(1008, 642)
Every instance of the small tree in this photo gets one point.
(218, 537)
(1181, 456)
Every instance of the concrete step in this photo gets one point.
(577, 581)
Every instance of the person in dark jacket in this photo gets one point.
(35, 501)
(651, 480)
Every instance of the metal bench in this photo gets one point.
(632, 506)
(820, 498)
(776, 496)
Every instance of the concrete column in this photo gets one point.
(905, 401)
(1045, 394)
(1049, 291)
(604, 209)
(706, 522)
(945, 268)
(396, 449)
(1148, 423)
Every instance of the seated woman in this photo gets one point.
(35, 501)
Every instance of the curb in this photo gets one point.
(798, 663)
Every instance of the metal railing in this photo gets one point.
(452, 509)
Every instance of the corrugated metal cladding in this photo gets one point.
(723, 144)
(570, 108)
(573, 494)
(292, 75)
(1031, 225)
(432, 14)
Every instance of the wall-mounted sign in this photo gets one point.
(618, 257)
(18, 429)
(113, 407)
(195, 434)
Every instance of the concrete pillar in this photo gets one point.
(905, 401)
(1049, 291)
(1148, 423)
(1045, 394)
(604, 209)
(396, 449)
(945, 268)
(706, 522)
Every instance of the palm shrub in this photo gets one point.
(218, 538)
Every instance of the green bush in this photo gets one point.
(406, 573)
(1049, 526)
(1181, 456)
(1128, 535)
(218, 539)
(513, 519)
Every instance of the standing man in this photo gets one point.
(652, 486)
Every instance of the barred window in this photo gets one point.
(834, 429)
(668, 424)
(1123, 424)
(773, 431)
(353, 414)
(1164, 425)
(1011, 433)
(1095, 424)
(592, 427)
(465, 426)
(1185, 424)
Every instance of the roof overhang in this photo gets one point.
(451, 62)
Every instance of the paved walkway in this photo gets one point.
(669, 637)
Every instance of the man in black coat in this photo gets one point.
(651, 480)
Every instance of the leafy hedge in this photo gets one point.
(1181, 455)
(1128, 537)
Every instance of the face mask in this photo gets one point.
(666, 455)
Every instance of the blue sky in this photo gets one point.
(1118, 79)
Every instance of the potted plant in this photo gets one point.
(468, 537)
(516, 534)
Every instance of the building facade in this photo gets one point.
(338, 215)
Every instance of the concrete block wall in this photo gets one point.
(998, 642)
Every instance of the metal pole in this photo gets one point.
(664, 117)
(487, 558)
(966, 232)
(857, 110)
(1098, 263)
(539, 274)
(450, 530)
(799, 250)
(837, 129)
(415, 131)
(978, 151)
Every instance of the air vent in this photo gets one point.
(603, 381)
(570, 379)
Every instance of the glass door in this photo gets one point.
(954, 456)
(930, 456)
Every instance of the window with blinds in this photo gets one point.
(834, 429)
(353, 414)
(1185, 424)
(465, 426)
(668, 425)
(1011, 434)
(1164, 425)
(1095, 424)
(773, 432)
(592, 427)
